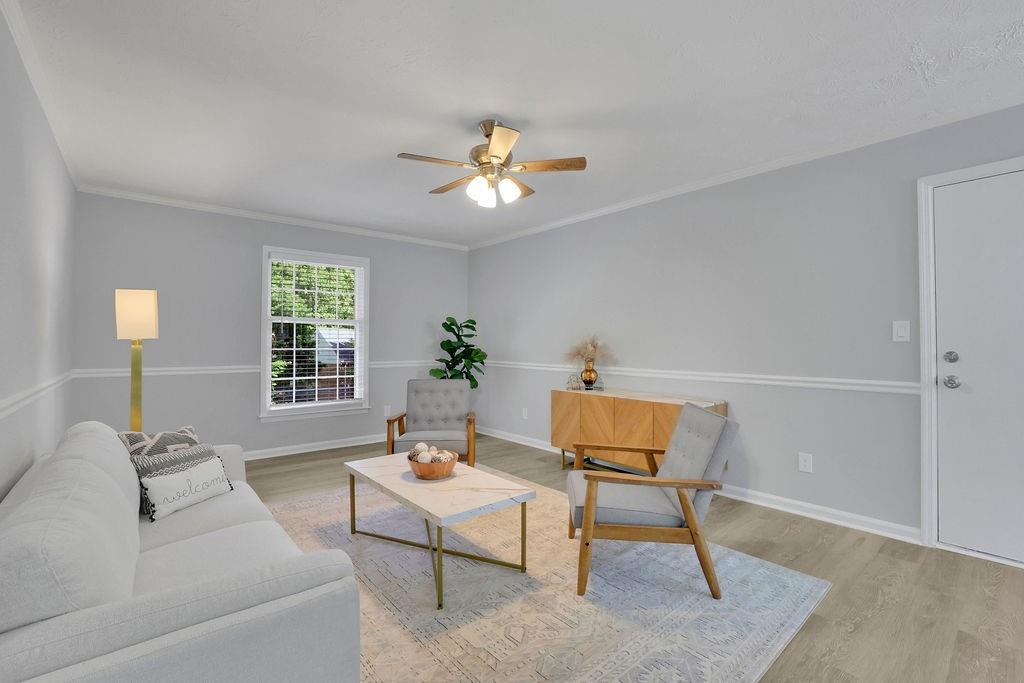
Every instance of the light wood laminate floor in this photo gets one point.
(896, 611)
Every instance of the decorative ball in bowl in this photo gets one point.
(429, 462)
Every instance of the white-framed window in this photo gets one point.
(314, 334)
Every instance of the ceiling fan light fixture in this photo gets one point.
(476, 188)
(509, 190)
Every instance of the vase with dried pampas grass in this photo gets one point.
(588, 351)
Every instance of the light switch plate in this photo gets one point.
(524, 414)
(387, 411)
(901, 330)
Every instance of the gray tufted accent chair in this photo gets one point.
(667, 507)
(436, 412)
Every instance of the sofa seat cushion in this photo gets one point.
(622, 504)
(444, 439)
(230, 509)
(72, 544)
(217, 553)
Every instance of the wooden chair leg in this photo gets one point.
(471, 440)
(700, 545)
(572, 527)
(391, 438)
(589, 512)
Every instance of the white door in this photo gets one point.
(979, 330)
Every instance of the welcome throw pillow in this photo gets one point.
(179, 479)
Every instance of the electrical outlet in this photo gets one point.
(805, 462)
(524, 414)
(387, 411)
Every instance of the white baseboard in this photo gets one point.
(518, 438)
(292, 449)
(852, 520)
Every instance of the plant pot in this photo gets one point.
(588, 375)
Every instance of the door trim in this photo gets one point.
(929, 352)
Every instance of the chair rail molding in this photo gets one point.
(25, 397)
(878, 386)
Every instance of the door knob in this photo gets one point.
(951, 356)
(951, 381)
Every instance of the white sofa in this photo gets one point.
(91, 590)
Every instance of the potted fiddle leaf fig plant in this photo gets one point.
(464, 357)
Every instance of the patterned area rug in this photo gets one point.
(647, 615)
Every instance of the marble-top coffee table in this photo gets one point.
(468, 493)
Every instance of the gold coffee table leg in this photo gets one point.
(352, 503)
(439, 574)
(522, 539)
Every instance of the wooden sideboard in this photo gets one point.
(623, 418)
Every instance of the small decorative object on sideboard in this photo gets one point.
(573, 383)
(588, 352)
(428, 462)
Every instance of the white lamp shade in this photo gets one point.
(509, 190)
(476, 188)
(136, 313)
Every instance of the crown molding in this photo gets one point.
(876, 386)
(262, 216)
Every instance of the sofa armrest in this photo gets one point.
(234, 461)
(93, 632)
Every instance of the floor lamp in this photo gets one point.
(135, 311)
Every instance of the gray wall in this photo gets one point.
(207, 269)
(36, 199)
(796, 272)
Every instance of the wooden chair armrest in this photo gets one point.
(612, 447)
(640, 480)
(396, 417)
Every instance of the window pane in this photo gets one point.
(305, 336)
(281, 302)
(347, 280)
(281, 275)
(282, 335)
(326, 305)
(305, 390)
(282, 363)
(347, 307)
(327, 279)
(305, 363)
(305, 303)
(281, 391)
(346, 388)
(327, 389)
(305, 276)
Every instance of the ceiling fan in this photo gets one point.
(493, 167)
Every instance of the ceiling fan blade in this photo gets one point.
(569, 164)
(523, 187)
(435, 160)
(502, 140)
(452, 185)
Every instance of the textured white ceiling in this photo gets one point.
(298, 107)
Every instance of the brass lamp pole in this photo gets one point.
(135, 311)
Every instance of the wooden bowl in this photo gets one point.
(432, 470)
